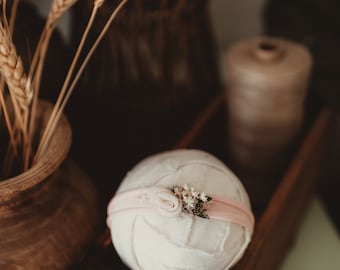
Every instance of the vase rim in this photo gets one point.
(50, 160)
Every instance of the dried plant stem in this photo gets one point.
(58, 8)
(6, 115)
(12, 70)
(31, 125)
(36, 73)
(59, 107)
(11, 154)
(61, 95)
(12, 151)
(13, 17)
(14, 9)
(15, 70)
(4, 15)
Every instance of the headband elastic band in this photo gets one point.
(182, 199)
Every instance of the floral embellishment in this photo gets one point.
(193, 202)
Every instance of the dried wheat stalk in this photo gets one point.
(5, 114)
(67, 91)
(3, 106)
(57, 10)
(98, 3)
(13, 72)
(12, 150)
(19, 89)
(20, 86)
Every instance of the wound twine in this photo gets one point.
(266, 86)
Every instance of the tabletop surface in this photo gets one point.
(317, 245)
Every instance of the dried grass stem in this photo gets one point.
(21, 95)
(61, 103)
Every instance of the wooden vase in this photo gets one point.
(48, 214)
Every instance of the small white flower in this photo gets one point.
(186, 187)
(203, 197)
(176, 190)
(189, 202)
(194, 193)
(193, 202)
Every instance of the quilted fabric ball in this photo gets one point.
(181, 210)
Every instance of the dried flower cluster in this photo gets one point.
(19, 89)
(193, 202)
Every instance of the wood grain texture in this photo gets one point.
(276, 228)
(48, 215)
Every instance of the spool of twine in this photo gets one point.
(267, 81)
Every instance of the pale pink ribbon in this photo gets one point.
(165, 202)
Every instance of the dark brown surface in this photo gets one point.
(315, 24)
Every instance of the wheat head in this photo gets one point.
(12, 69)
(59, 7)
(98, 3)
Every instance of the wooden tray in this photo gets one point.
(277, 225)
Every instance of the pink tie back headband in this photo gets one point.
(182, 199)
